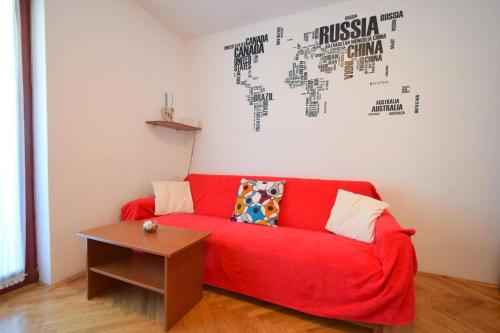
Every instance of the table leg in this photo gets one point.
(183, 283)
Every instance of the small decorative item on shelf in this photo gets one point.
(167, 112)
(150, 226)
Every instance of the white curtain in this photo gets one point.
(12, 217)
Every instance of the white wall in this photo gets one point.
(39, 74)
(108, 64)
(439, 169)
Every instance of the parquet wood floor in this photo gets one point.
(443, 305)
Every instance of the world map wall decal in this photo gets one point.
(355, 46)
(246, 53)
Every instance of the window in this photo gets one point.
(17, 248)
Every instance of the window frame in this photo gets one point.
(30, 260)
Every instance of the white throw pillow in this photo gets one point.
(172, 198)
(353, 216)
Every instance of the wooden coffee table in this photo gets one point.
(169, 262)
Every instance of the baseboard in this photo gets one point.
(62, 282)
(435, 275)
(480, 283)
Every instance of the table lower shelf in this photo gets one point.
(140, 269)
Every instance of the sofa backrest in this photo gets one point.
(306, 203)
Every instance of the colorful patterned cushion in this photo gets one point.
(258, 201)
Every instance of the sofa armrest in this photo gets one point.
(394, 247)
(399, 265)
(138, 209)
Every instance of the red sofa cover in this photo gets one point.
(299, 264)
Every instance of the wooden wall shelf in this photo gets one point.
(174, 125)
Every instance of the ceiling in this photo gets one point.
(194, 18)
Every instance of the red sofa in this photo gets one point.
(299, 264)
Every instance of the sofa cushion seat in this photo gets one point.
(308, 270)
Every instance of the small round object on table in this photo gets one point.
(150, 226)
